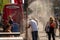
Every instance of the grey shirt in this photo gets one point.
(33, 24)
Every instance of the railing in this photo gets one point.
(9, 33)
(11, 38)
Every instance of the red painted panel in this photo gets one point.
(16, 12)
(18, 1)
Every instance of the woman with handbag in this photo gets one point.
(51, 29)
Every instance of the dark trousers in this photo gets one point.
(51, 33)
(34, 35)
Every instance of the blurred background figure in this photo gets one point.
(10, 19)
(15, 26)
(51, 29)
(56, 27)
(59, 28)
(8, 29)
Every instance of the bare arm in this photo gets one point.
(29, 26)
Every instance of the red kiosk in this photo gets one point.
(15, 10)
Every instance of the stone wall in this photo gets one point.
(42, 10)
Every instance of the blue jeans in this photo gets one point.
(34, 35)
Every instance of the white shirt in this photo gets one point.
(33, 24)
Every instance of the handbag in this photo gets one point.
(47, 28)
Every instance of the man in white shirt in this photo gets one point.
(33, 25)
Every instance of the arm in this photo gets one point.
(29, 26)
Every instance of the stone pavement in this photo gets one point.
(43, 36)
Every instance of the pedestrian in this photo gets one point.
(33, 24)
(59, 28)
(10, 19)
(8, 29)
(56, 27)
(51, 29)
(5, 24)
(15, 26)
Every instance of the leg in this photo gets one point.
(36, 35)
(59, 32)
(49, 36)
(32, 35)
(53, 35)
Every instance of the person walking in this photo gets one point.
(51, 29)
(33, 25)
(56, 27)
(59, 28)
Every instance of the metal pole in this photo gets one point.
(26, 25)
(26, 9)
